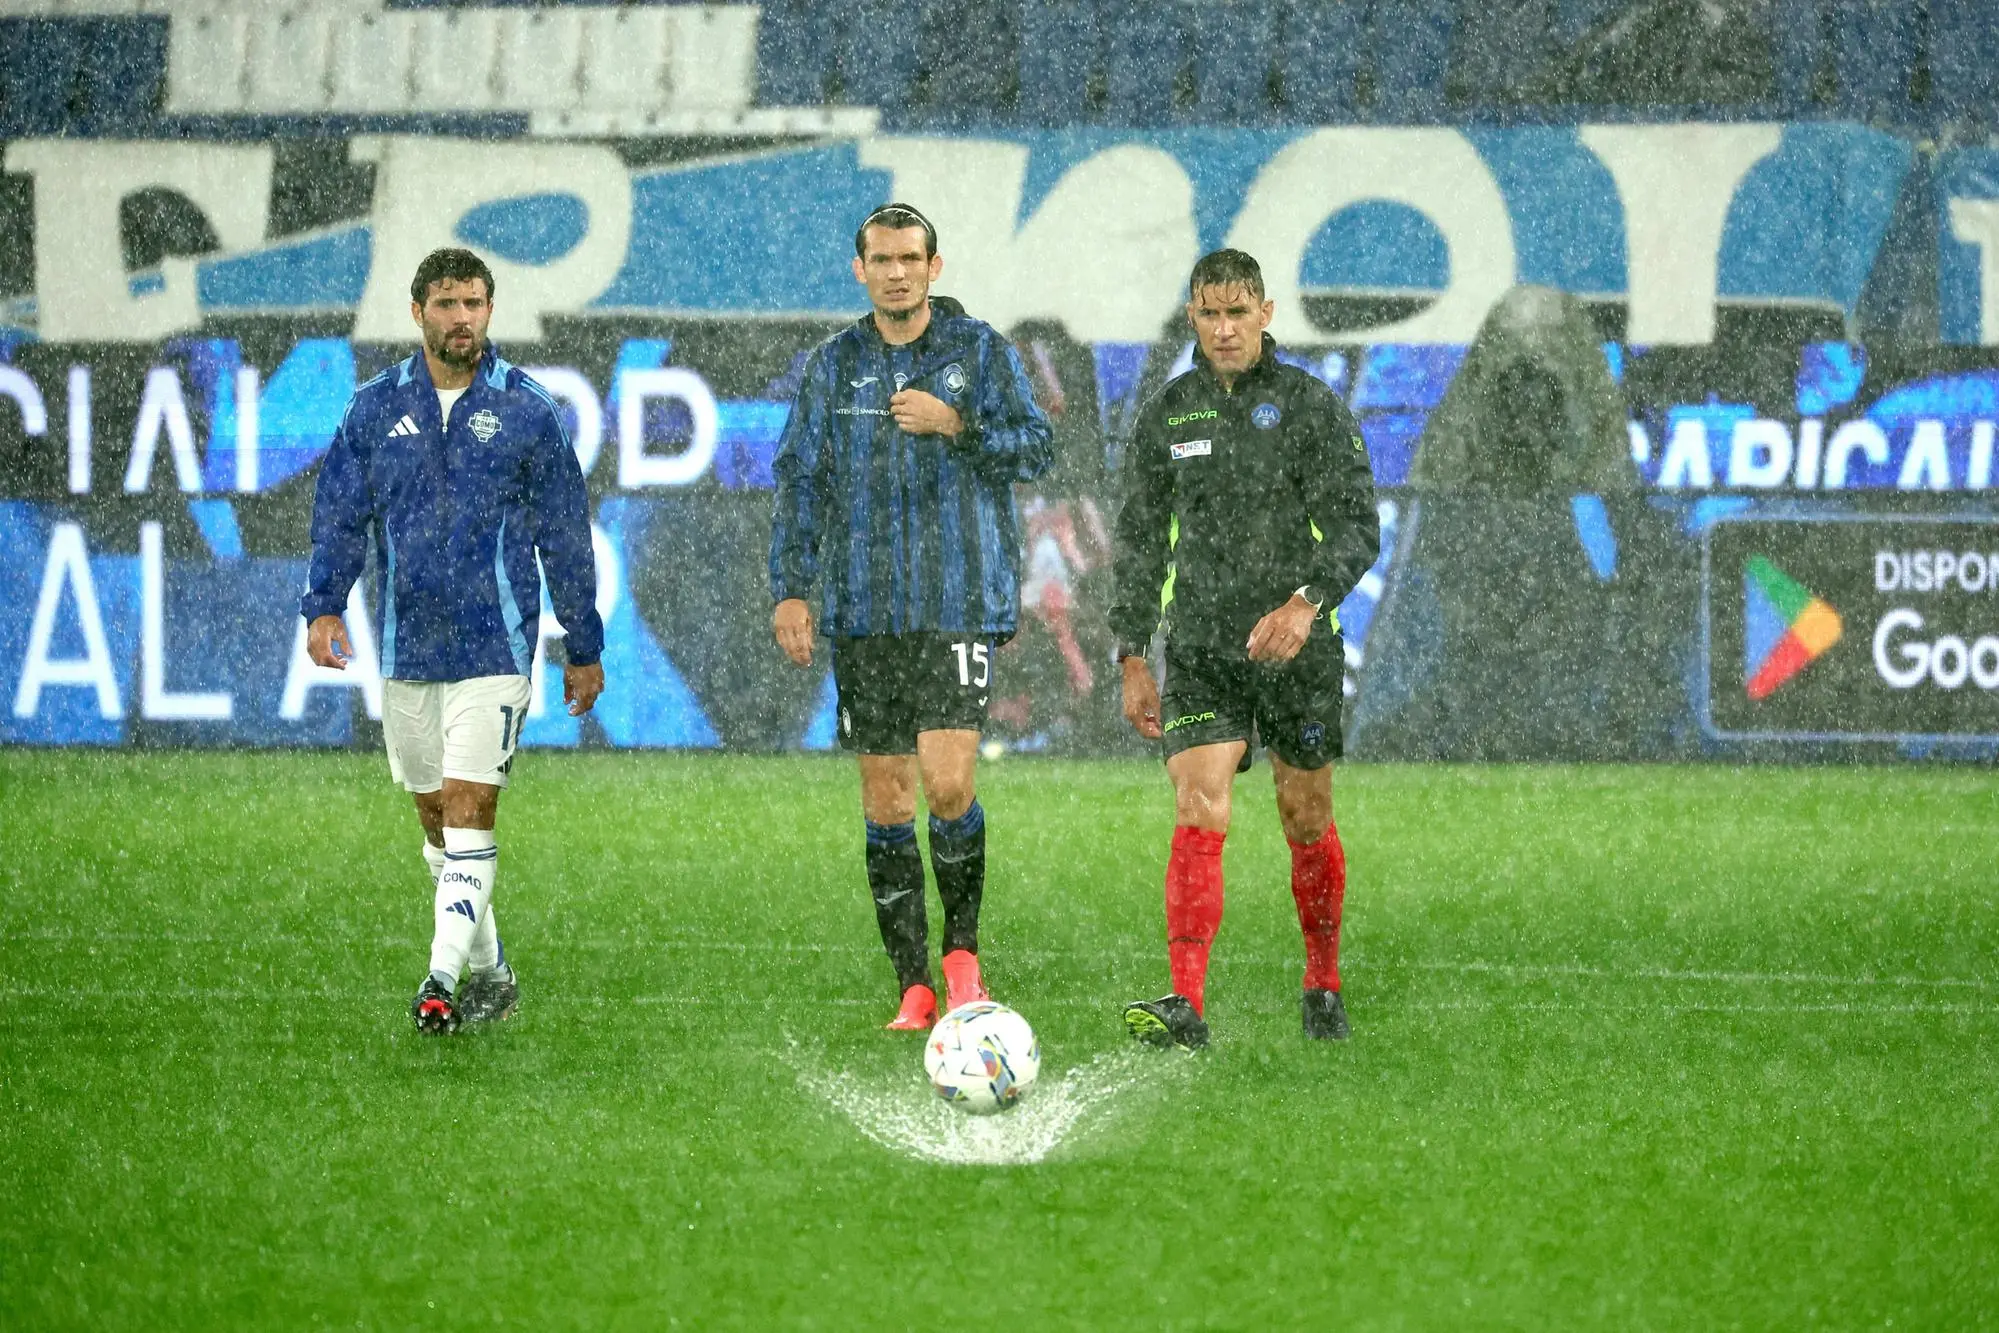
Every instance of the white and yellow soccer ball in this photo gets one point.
(982, 1057)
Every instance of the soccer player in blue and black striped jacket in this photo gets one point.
(455, 467)
(895, 513)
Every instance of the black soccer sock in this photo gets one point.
(958, 856)
(895, 880)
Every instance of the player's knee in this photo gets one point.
(948, 799)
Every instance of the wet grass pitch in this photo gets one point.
(1656, 1047)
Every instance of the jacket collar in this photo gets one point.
(491, 370)
(1258, 371)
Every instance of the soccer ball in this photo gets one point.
(982, 1057)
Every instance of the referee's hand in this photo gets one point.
(1279, 635)
(1141, 698)
(791, 622)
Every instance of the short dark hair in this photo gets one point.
(895, 217)
(1225, 268)
(450, 264)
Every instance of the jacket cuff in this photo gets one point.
(314, 605)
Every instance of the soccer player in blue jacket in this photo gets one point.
(895, 513)
(455, 467)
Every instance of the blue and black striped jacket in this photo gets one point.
(458, 510)
(896, 533)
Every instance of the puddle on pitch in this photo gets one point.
(906, 1117)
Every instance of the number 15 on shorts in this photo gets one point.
(972, 655)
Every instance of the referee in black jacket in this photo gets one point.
(1248, 517)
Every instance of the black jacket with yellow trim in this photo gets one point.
(1240, 495)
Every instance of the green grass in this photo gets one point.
(1633, 1048)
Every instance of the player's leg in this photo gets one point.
(876, 726)
(1207, 730)
(949, 688)
(413, 734)
(947, 759)
(1300, 717)
(482, 722)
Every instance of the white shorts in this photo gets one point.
(464, 729)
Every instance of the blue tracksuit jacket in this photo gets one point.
(458, 510)
(895, 532)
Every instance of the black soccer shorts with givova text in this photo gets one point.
(1291, 708)
(893, 686)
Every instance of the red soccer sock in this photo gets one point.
(1319, 884)
(1193, 908)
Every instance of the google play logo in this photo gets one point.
(1785, 627)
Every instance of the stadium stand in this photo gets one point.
(575, 68)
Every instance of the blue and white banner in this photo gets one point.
(1091, 229)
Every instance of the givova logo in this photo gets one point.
(1785, 627)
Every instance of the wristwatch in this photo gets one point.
(1312, 593)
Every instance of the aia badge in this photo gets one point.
(1265, 415)
(1785, 627)
(484, 424)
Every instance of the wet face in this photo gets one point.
(1229, 321)
(453, 316)
(896, 270)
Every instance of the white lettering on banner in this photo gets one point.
(156, 702)
(1686, 463)
(1936, 571)
(1435, 171)
(82, 293)
(162, 408)
(426, 185)
(249, 429)
(364, 669)
(1130, 207)
(610, 588)
(1946, 662)
(1759, 454)
(638, 468)
(27, 395)
(1676, 183)
(1862, 437)
(79, 430)
(1811, 440)
(1975, 222)
(1926, 466)
(1979, 475)
(68, 566)
(574, 388)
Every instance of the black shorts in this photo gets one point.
(893, 686)
(1292, 708)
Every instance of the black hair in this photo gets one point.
(895, 217)
(1225, 268)
(449, 264)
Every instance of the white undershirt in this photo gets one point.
(446, 399)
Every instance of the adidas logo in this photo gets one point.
(1785, 627)
(464, 908)
(407, 426)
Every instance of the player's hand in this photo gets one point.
(920, 413)
(1279, 635)
(1141, 698)
(792, 623)
(326, 643)
(580, 687)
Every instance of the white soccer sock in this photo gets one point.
(433, 857)
(464, 894)
(487, 954)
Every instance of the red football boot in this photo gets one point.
(918, 1012)
(961, 979)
